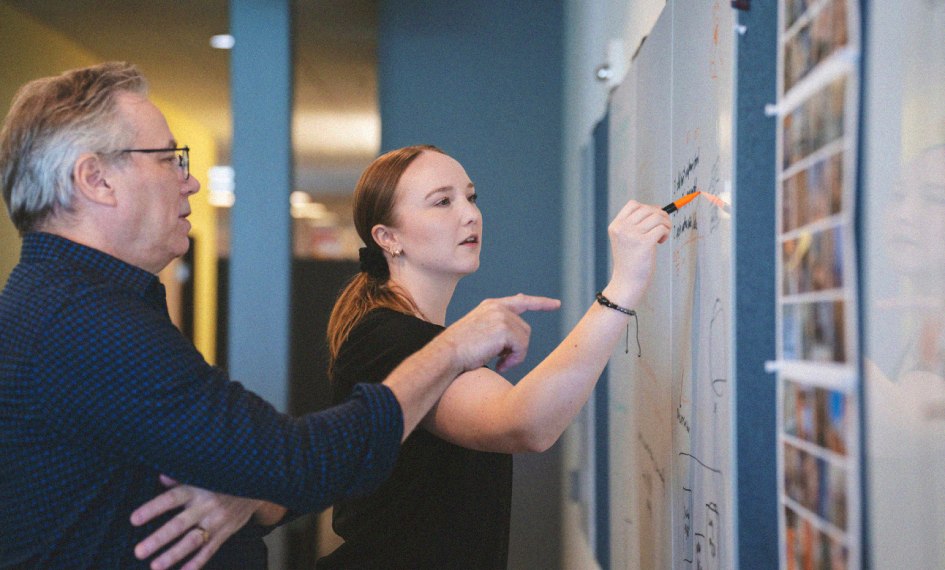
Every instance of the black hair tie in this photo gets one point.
(373, 262)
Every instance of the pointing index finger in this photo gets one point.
(521, 303)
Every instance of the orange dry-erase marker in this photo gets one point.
(677, 204)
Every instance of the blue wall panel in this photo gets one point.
(483, 81)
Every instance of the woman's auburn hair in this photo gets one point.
(374, 198)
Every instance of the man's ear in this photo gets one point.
(386, 238)
(88, 176)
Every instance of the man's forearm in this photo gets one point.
(420, 380)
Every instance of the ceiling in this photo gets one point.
(336, 128)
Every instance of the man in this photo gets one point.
(99, 393)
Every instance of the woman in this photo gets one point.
(447, 504)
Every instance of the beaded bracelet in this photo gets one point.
(611, 305)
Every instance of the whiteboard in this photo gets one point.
(672, 475)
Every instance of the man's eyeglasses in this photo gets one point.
(183, 159)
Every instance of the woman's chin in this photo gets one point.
(468, 271)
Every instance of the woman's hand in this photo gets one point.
(207, 520)
(634, 233)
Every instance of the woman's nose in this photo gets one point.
(472, 213)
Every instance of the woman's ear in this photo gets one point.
(88, 177)
(386, 238)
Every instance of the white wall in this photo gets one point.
(903, 257)
(590, 25)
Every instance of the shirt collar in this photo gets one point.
(43, 247)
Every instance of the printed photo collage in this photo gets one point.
(809, 548)
(815, 31)
(812, 233)
(818, 456)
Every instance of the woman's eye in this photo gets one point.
(443, 202)
(474, 198)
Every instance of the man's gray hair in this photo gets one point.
(51, 122)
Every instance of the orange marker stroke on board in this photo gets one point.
(717, 201)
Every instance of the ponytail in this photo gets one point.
(361, 295)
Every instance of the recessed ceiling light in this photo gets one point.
(222, 41)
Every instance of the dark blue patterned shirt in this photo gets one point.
(100, 393)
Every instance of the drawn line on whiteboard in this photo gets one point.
(690, 222)
(649, 452)
(715, 321)
(696, 459)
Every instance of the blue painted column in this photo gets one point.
(260, 251)
(482, 79)
(260, 230)
(755, 296)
